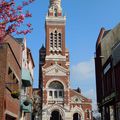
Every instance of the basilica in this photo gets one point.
(58, 100)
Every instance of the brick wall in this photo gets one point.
(3, 54)
(10, 56)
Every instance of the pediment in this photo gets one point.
(76, 99)
(56, 70)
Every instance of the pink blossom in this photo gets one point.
(12, 17)
(29, 24)
(28, 14)
(19, 8)
(25, 3)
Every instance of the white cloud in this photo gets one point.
(92, 95)
(83, 70)
(83, 75)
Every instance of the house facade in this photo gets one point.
(10, 78)
(16, 79)
(107, 64)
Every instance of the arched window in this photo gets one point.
(55, 91)
(51, 40)
(55, 12)
(55, 115)
(55, 39)
(76, 116)
(55, 85)
(59, 40)
(88, 114)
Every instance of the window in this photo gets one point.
(55, 94)
(60, 94)
(59, 40)
(56, 85)
(88, 115)
(55, 41)
(51, 39)
(55, 12)
(50, 93)
(55, 91)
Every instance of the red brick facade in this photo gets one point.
(10, 76)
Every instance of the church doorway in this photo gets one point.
(76, 116)
(56, 115)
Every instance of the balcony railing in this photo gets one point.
(26, 104)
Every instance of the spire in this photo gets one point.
(55, 3)
(55, 8)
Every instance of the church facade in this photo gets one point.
(59, 101)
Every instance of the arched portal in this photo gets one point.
(55, 115)
(76, 116)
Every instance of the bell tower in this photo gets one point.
(58, 101)
(54, 67)
(55, 29)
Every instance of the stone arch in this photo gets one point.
(51, 80)
(76, 116)
(59, 109)
(79, 111)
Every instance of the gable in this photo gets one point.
(55, 70)
(76, 99)
(79, 96)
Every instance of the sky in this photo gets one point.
(84, 21)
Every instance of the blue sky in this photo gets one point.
(84, 20)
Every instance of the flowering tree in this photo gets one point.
(12, 17)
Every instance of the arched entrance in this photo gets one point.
(55, 115)
(76, 116)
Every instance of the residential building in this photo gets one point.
(10, 78)
(59, 101)
(16, 78)
(107, 64)
(26, 97)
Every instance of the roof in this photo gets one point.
(80, 95)
(28, 50)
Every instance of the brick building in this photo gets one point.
(107, 62)
(10, 78)
(26, 98)
(16, 78)
(59, 101)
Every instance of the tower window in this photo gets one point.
(55, 12)
(51, 39)
(55, 41)
(59, 40)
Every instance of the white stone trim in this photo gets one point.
(11, 114)
(79, 110)
(55, 79)
(55, 70)
(55, 57)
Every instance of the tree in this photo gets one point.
(12, 17)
